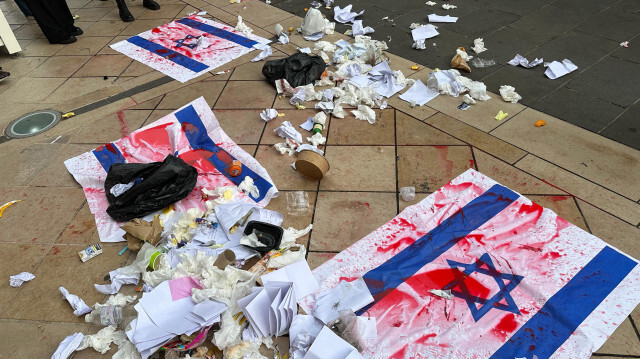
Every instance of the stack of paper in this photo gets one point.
(269, 310)
(168, 311)
(298, 273)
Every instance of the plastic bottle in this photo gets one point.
(119, 316)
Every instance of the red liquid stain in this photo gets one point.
(552, 255)
(56, 250)
(397, 324)
(425, 338)
(403, 223)
(392, 247)
(440, 278)
(366, 204)
(347, 279)
(124, 128)
(558, 198)
(444, 162)
(400, 354)
(506, 325)
(524, 311)
(187, 127)
(33, 240)
(471, 163)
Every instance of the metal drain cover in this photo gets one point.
(33, 123)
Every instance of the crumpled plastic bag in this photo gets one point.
(509, 94)
(298, 69)
(159, 184)
(365, 113)
(314, 23)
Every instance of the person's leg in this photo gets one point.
(54, 19)
(125, 14)
(150, 4)
(23, 7)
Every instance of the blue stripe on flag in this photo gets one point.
(108, 155)
(224, 34)
(559, 317)
(176, 57)
(388, 276)
(199, 139)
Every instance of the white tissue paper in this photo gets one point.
(269, 114)
(421, 33)
(266, 52)
(478, 46)
(78, 305)
(509, 94)
(242, 28)
(101, 341)
(317, 139)
(522, 61)
(248, 187)
(468, 99)
(18, 279)
(365, 113)
(448, 6)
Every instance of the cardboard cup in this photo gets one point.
(312, 164)
(224, 259)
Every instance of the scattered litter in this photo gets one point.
(269, 114)
(448, 6)
(408, 194)
(501, 115)
(345, 295)
(624, 44)
(478, 46)
(242, 28)
(283, 38)
(419, 94)
(266, 52)
(18, 279)
(78, 305)
(76, 17)
(297, 203)
(509, 94)
(430, 3)
(415, 67)
(558, 69)
(304, 50)
(139, 231)
(446, 294)
(482, 63)
(344, 15)
(90, 252)
(314, 26)
(421, 33)
(459, 61)
(358, 29)
(463, 106)
(68, 345)
(287, 131)
(317, 139)
(442, 18)
(468, 99)
(522, 61)
(328, 345)
(365, 113)
(540, 123)
(7, 205)
(68, 114)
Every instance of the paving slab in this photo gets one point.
(626, 128)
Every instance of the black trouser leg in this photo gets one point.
(53, 17)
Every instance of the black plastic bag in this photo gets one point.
(156, 186)
(298, 69)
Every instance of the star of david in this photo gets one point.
(479, 306)
(188, 37)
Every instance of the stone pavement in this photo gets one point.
(587, 179)
(602, 96)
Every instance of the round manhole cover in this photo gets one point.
(33, 123)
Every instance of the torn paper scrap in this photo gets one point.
(558, 69)
(346, 295)
(328, 345)
(442, 18)
(297, 273)
(269, 114)
(308, 124)
(68, 346)
(448, 6)
(522, 61)
(78, 305)
(286, 130)
(478, 46)
(344, 15)
(419, 94)
(18, 279)
(358, 29)
(266, 52)
(509, 94)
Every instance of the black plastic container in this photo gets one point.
(267, 233)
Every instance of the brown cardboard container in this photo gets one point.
(312, 164)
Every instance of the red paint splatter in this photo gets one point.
(552, 255)
(445, 163)
(397, 324)
(56, 250)
(347, 279)
(506, 325)
(124, 128)
(440, 278)
(471, 163)
(403, 223)
(392, 247)
(425, 338)
(156, 31)
(400, 354)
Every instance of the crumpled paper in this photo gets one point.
(286, 130)
(242, 28)
(317, 139)
(478, 46)
(18, 279)
(359, 29)
(78, 305)
(365, 113)
(522, 61)
(101, 341)
(285, 147)
(344, 15)
(248, 187)
(509, 94)
(139, 231)
(266, 52)
(67, 346)
(269, 114)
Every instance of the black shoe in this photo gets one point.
(3, 75)
(68, 40)
(151, 5)
(125, 14)
(76, 31)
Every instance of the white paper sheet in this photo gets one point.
(522, 61)
(424, 32)
(419, 94)
(117, 281)
(266, 52)
(269, 309)
(344, 15)
(328, 345)
(67, 346)
(299, 274)
(308, 124)
(286, 130)
(358, 29)
(558, 69)
(345, 295)
(441, 18)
